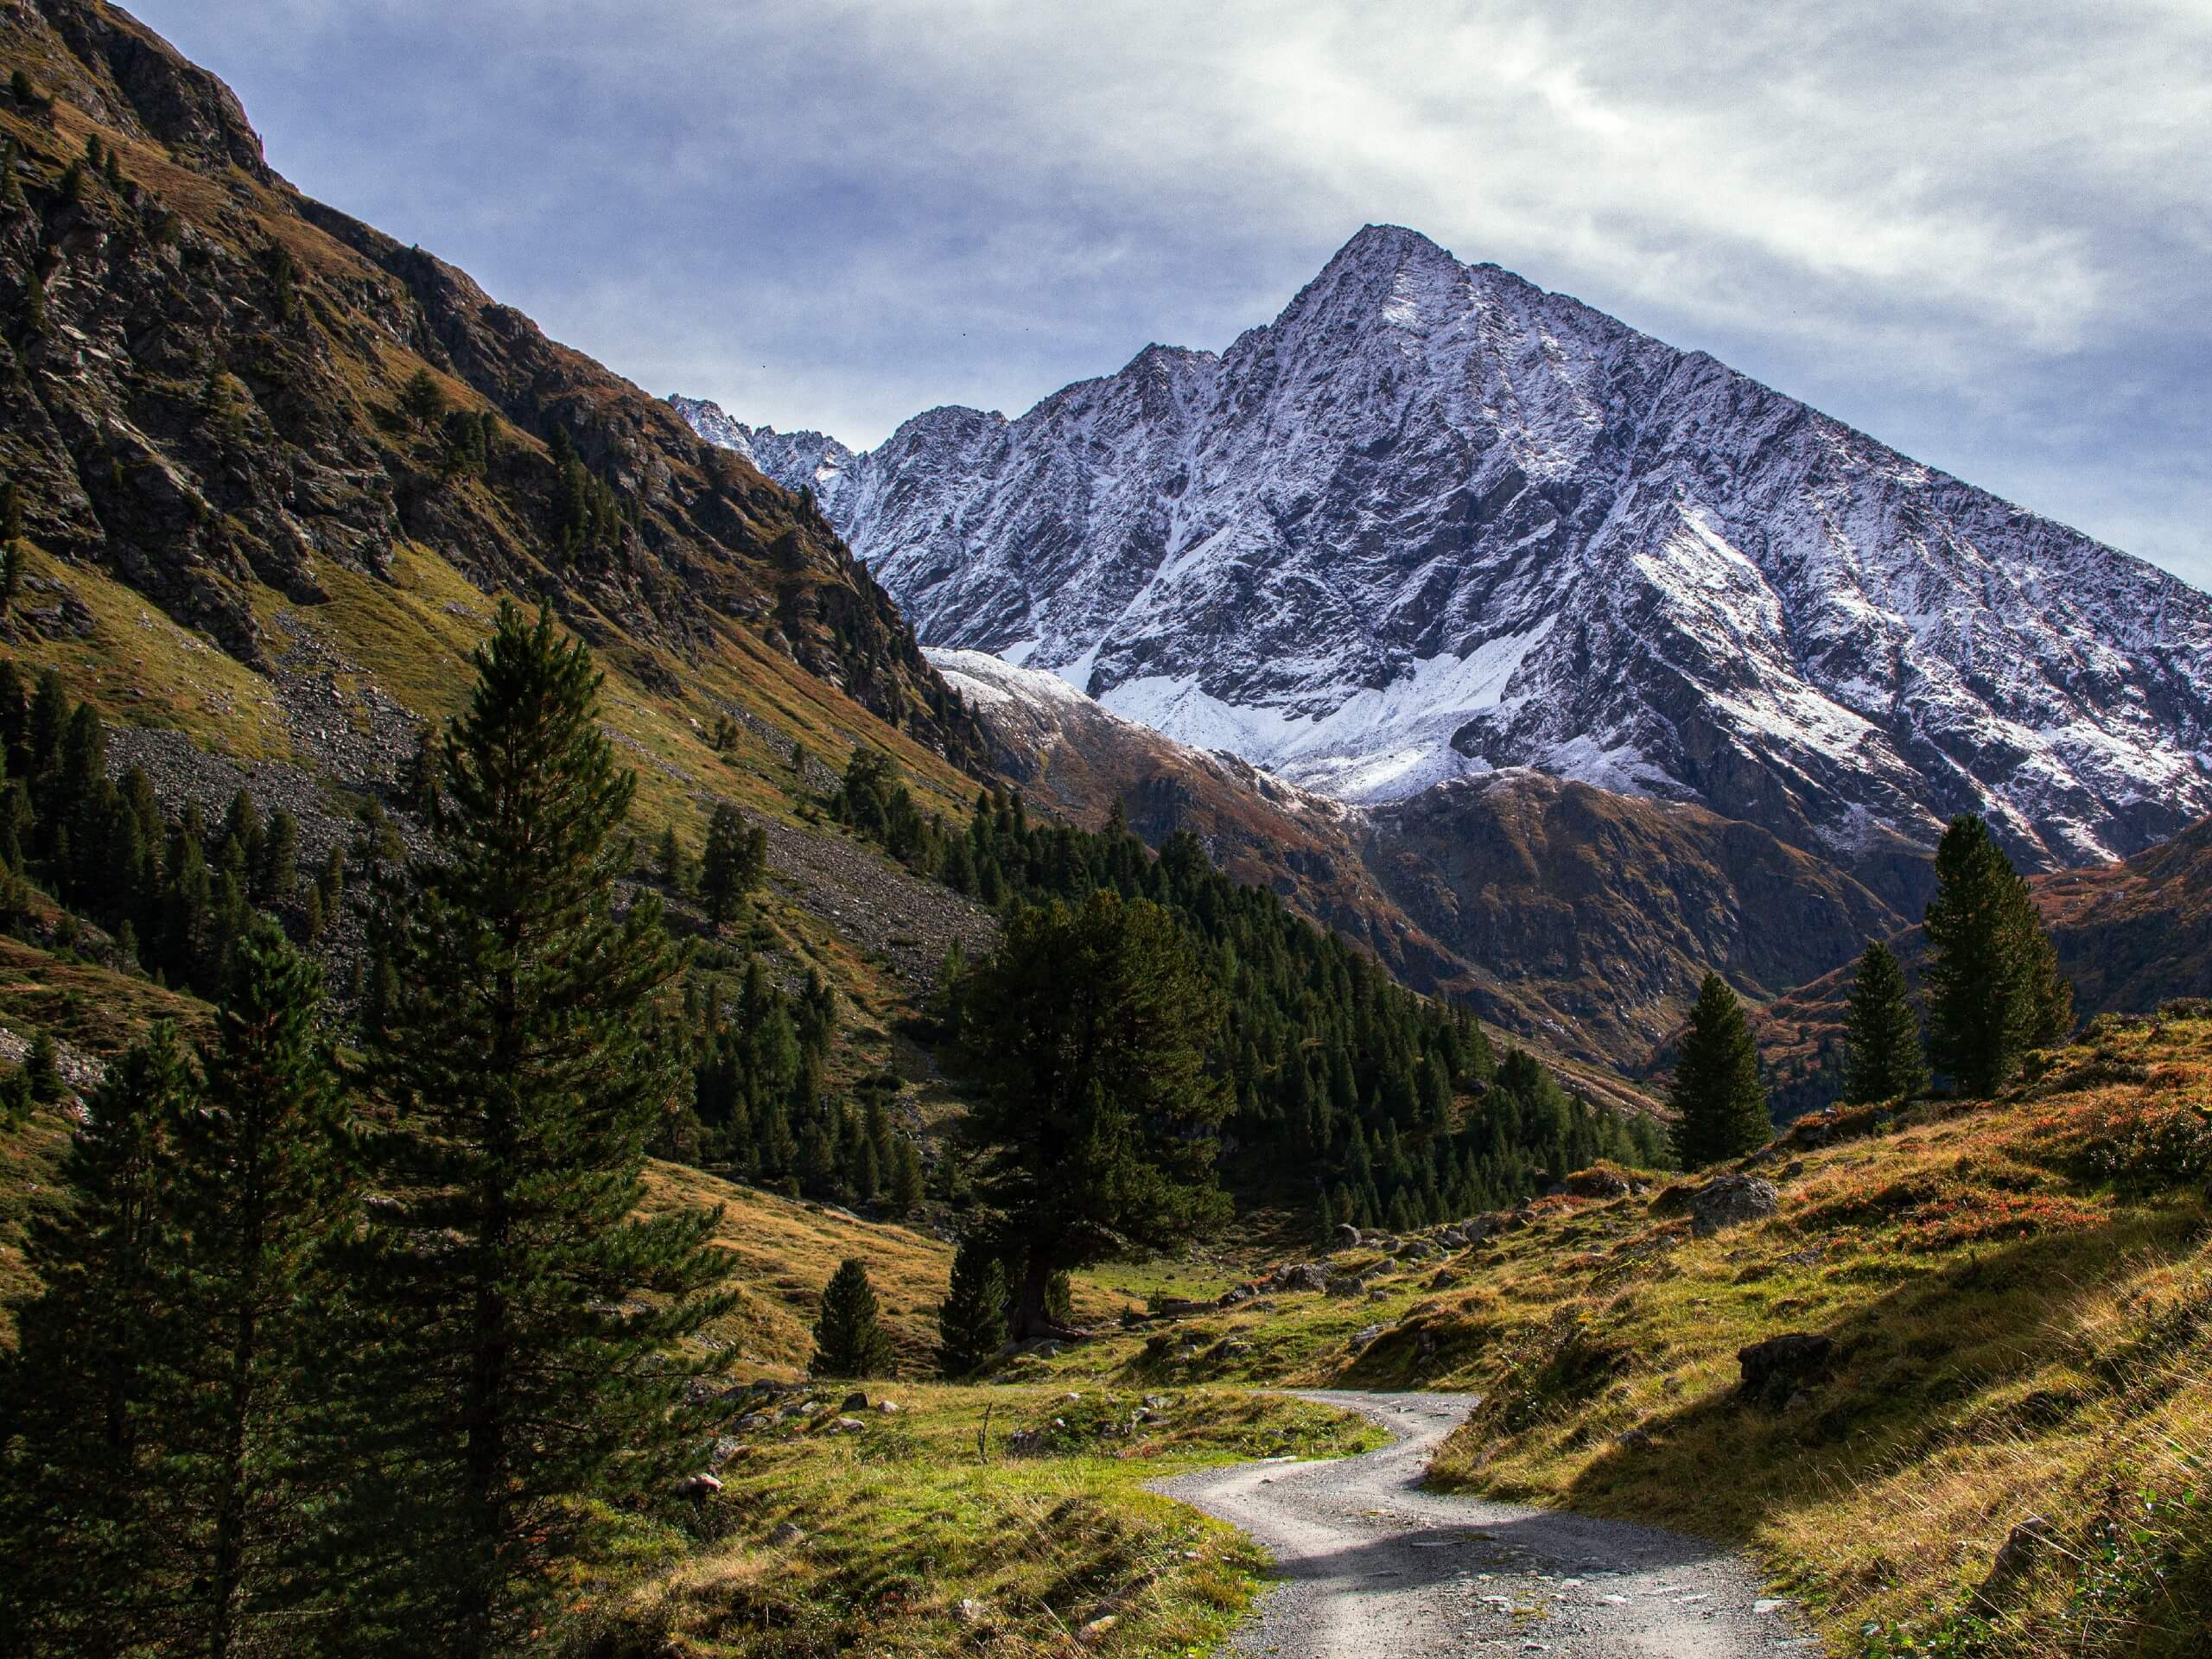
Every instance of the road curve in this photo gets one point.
(1372, 1568)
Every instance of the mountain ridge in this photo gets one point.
(1433, 520)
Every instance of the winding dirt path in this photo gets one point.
(1375, 1568)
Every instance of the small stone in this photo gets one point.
(1097, 1630)
(855, 1402)
(787, 1534)
(888, 1407)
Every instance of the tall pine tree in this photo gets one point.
(84, 1507)
(262, 1189)
(513, 1393)
(1993, 987)
(1881, 1033)
(1095, 1034)
(1719, 1103)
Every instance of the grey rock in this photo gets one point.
(1731, 1200)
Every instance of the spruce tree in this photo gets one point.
(512, 1394)
(848, 1336)
(732, 866)
(1094, 1033)
(1881, 1033)
(1719, 1103)
(1993, 987)
(85, 1397)
(671, 864)
(42, 1070)
(261, 1192)
(971, 1320)
(276, 878)
(904, 1194)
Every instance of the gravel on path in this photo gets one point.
(1373, 1567)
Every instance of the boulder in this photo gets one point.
(1350, 1285)
(699, 1487)
(1305, 1275)
(1598, 1184)
(1362, 1338)
(1730, 1201)
(847, 1426)
(855, 1402)
(1347, 1236)
(1778, 1368)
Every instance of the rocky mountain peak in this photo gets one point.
(1433, 521)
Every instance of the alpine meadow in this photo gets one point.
(1447, 981)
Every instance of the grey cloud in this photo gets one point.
(1977, 231)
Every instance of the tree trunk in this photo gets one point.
(1030, 1320)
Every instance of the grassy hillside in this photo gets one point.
(2016, 1301)
(276, 471)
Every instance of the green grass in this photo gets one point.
(917, 1513)
(2019, 1297)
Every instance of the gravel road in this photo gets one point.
(1374, 1568)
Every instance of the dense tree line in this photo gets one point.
(1384, 1107)
(379, 1358)
(175, 892)
(759, 1100)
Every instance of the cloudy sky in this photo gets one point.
(1979, 231)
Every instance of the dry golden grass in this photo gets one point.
(783, 1251)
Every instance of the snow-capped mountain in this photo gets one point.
(809, 460)
(1433, 520)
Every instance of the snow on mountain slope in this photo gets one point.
(1571, 915)
(1433, 520)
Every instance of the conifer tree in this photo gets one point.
(1993, 987)
(1719, 1103)
(1882, 1034)
(276, 875)
(903, 1193)
(1324, 1225)
(85, 1397)
(1093, 1033)
(971, 1320)
(260, 1191)
(42, 1070)
(669, 863)
(849, 1335)
(734, 860)
(512, 1393)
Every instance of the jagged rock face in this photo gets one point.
(204, 397)
(1434, 520)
